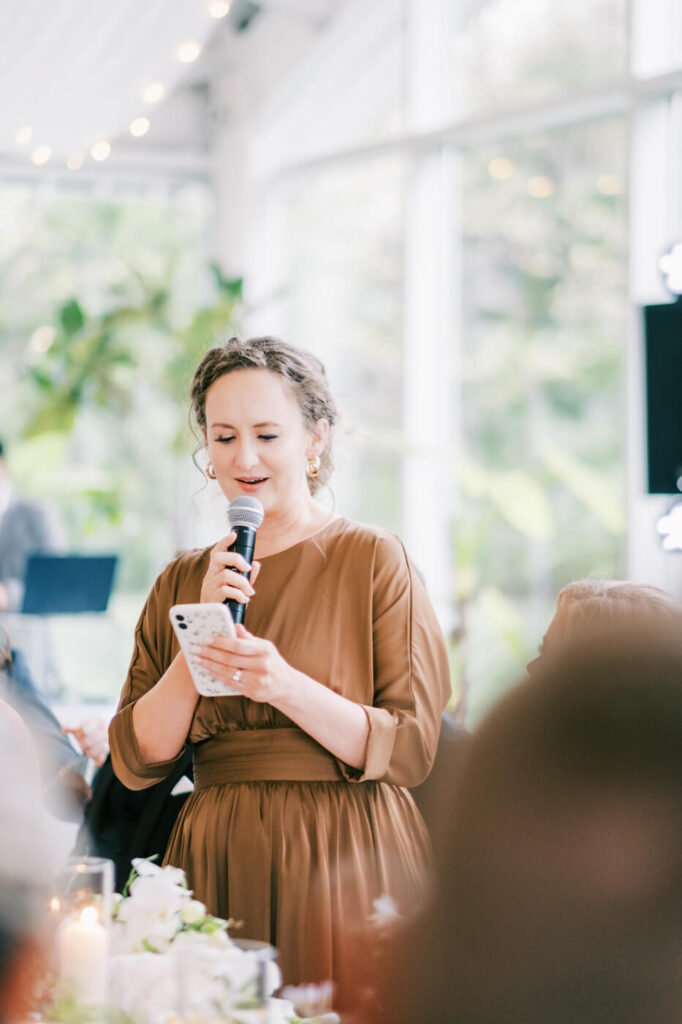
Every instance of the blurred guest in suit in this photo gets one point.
(25, 527)
(61, 767)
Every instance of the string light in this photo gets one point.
(609, 185)
(219, 9)
(500, 167)
(23, 135)
(153, 92)
(139, 127)
(100, 151)
(540, 187)
(41, 154)
(75, 161)
(670, 265)
(188, 52)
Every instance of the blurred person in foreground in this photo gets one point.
(61, 767)
(24, 868)
(559, 892)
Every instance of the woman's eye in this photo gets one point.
(224, 440)
(268, 437)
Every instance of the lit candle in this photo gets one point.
(82, 953)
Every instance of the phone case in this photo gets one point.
(194, 624)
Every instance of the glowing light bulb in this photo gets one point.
(670, 528)
(100, 151)
(23, 135)
(609, 185)
(139, 127)
(75, 161)
(219, 9)
(41, 154)
(188, 52)
(500, 167)
(670, 265)
(153, 92)
(540, 187)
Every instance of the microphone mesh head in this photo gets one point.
(245, 511)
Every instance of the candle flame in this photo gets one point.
(89, 916)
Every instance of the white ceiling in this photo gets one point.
(73, 70)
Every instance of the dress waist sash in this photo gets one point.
(262, 755)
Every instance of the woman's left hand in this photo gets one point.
(252, 666)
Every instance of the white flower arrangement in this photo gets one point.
(156, 908)
(169, 954)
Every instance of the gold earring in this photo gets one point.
(210, 471)
(312, 466)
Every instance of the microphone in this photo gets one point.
(245, 514)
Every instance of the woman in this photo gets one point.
(299, 818)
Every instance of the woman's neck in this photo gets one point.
(282, 531)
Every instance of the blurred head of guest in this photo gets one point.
(559, 894)
(26, 527)
(595, 604)
(24, 867)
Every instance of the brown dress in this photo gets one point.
(279, 833)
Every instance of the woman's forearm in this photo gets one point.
(338, 724)
(163, 716)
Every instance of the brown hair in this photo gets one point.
(301, 370)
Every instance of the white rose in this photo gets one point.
(192, 912)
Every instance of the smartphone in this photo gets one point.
(195, 624)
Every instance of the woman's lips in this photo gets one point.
(251, 483)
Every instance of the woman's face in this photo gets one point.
(258, 440)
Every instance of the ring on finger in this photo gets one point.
(237, 676)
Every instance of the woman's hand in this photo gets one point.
(92, 737)
(223, 580)
(252, 666)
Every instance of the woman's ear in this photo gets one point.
(319, 438)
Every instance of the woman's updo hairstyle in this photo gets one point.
(302, 371)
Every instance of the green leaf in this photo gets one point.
(231, 287)
(71, 317)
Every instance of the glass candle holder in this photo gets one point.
(83, 901)
(218, 983)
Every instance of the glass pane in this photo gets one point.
(511, 53)
(95, 302)
(541, 472)
(343, 285)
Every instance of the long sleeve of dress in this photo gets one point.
(153, 653)
(411, 673)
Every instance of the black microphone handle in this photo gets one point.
(244, 545)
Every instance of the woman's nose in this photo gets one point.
(246, 455)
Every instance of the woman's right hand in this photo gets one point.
(223, 580)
